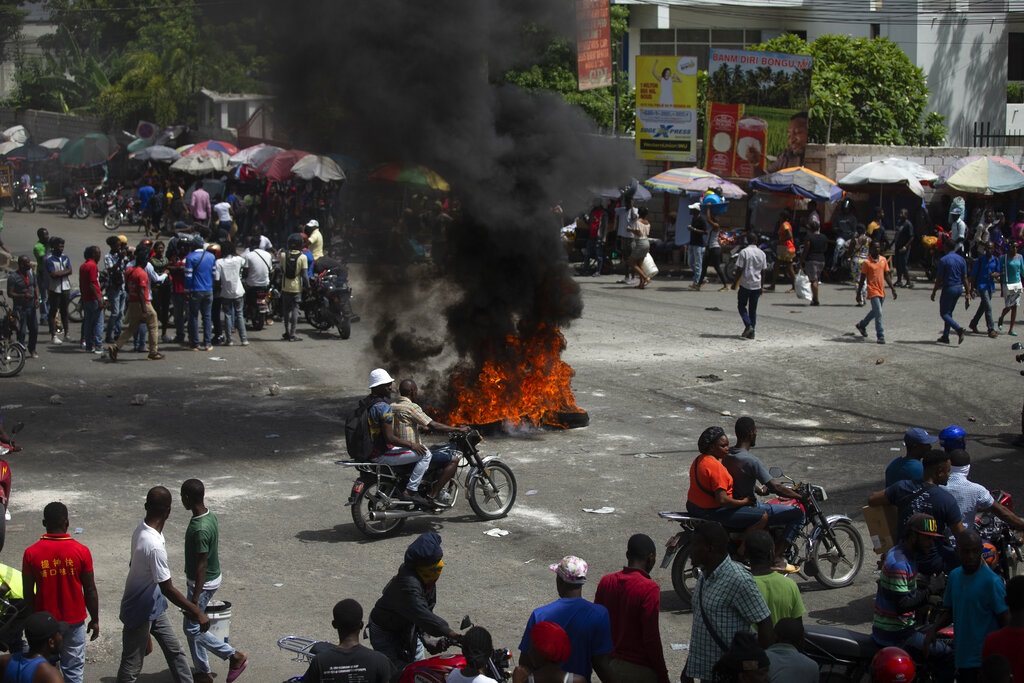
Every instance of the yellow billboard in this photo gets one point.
(666, 108)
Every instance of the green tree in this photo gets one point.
(555, 70)
(11, 19)
(864, 91)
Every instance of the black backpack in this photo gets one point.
(358, 441)
(291, 263)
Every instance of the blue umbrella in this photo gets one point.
(799, 181)
(31, 153)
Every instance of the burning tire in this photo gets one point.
(492, 491)
(572, 419)
(365, 507)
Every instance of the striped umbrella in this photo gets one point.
(211, 146)
(684, 180)
(985, 175)
(411, 174)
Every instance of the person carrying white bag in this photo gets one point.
(640, 229)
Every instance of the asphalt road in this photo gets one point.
(653, 369)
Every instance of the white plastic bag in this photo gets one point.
(802, 285)
(648, 266)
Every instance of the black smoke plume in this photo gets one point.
(417, 81)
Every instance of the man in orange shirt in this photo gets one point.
(875, 272)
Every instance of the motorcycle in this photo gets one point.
(124, 211)
(24, 197)
(77, 204)
(431, 670)
(5, 480)
(257, 307)
(379, 510)
(828, 548)
(12, 352)
(1003, 549)
(328, 302)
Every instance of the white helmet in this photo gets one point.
(378, 377)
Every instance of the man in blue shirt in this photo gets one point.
(975, 601)
(951, 276)
(199, 269)
(985, 268)
(918, 443)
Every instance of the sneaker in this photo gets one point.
(112, 353)
(207, 348)
(155, 356)
(444, 498)
(36, 355)
(993, 334)
(55, 340)
(746, 332)
(881, 340)
(960, 336)
(815, 303)
(197, 348)
(945, 340)
(415, 497)
(286, 336)
(98, 352)
(863, 329)
(973, 329)
(228, 343)
(245, 342)
(751, 335)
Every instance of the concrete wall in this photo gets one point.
(43, 125)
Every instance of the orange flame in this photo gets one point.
(524, 382)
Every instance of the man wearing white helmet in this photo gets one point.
(316, 240)
(387, 446)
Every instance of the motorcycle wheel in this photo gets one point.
(32, 206)
(833, 571)
(684, 574)
(259, 320)
(81, 212)
(492, 492)
(366, 504)
(75, 308)
(12, 359)
(111, 221)
(345, 328)
(1013, 562)
(316, 320)
(16, 204)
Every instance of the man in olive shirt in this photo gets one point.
(202, 569)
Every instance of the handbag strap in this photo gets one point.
(707, 622)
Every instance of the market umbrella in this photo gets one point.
(799, 181)
(411, 174)
(8, 146)
(16, 134)
(895, 172)
(255, 155)
(211, 146)
(55, 143)
(316, 166)
(202, 163)
(156, 153)
(30, 153)
(985, 175)
(279, 167)
(92, 149)
(684, 180)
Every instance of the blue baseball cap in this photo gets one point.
(918, 436)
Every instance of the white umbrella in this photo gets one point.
(55, 143)
(202, 163)
(16, 134)
(890, 172)
(315, 166)
(8, 146)
(255, 155)
(156, 153)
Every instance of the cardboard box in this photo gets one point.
(881, 521)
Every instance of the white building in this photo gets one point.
(968, 49)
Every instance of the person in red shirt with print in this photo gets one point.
(633, 601)
(92, 301)
(140, 308)
(57, 577)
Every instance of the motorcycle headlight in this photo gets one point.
(819, 493)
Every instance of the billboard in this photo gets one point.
(593, 44)
(757, 112)
(666, 108)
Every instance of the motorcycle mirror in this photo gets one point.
(466, 623)
(776, 472)
(18, 427)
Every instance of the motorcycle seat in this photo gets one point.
(840, 643)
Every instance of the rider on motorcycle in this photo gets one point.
(405, 608)
(6, 438)
(747, 471)
(710, 495)
(388, 447)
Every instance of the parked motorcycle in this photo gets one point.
(12, 352)
(328, 303)
(379, 510)
(24, 197)
(431, 670)
(828, 548)
(5, 480)
(76, 204)
(257, 307)
(124, 211)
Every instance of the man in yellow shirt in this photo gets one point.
(316, 240)
(295, 279)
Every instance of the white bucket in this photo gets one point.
(219, 613)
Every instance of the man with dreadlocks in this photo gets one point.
(477, 648)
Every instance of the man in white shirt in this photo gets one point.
(146, 592)
(749, 271)
(229, 274)
(258, 262)
(222, 210)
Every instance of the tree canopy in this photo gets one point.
(864, 91)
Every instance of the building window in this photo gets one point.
(1015, 58)
(698, 41)
(876, 30)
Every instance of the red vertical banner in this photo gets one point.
(593, 43)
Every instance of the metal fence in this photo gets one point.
(983, 136)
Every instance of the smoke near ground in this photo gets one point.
(402, 80)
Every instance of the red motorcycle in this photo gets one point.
(5, 479)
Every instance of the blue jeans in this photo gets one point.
(984, 306)
(395, 648)
(403, 456)
(875, 314)
(72, 654)
(180, 302)
(92, 325)
(947, 304)
(903, 264)
(116, 300)
(595, 252)
(696, 254)
(201, 643)
(200, 301)
(746, 301)
(233, 318)
(28, 320)
(791, 517)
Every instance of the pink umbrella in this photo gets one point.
(211, 146)
(279, 167)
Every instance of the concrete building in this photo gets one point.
(968, 49)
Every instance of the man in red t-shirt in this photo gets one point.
(58, 578)
(92, 301)
(140, 307)
(1007, 641)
